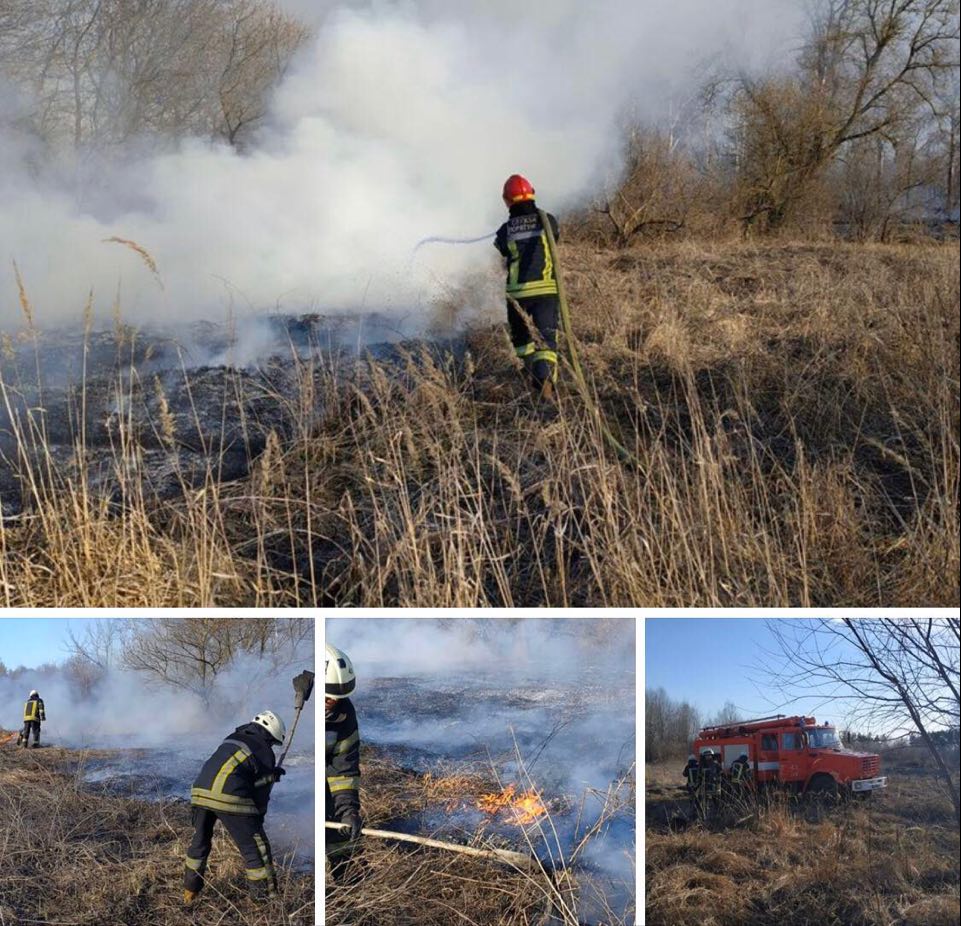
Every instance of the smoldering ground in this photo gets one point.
(547, 704)
(148, 741)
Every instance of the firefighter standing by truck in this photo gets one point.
(708, 789)
(739, 781)
(33, 714)
(342, 754)
(691, 777)
(234, 787)
(532, 300)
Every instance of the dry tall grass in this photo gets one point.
(793, 410)
(75, 854)
(889, 860)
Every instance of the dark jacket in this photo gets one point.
(692, 773)
(238, 777)
(342, 753)
(741, 771)
(523, 243)
(33, 709)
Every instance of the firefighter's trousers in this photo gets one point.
(248, 835)
(29, 725)
(534, 336)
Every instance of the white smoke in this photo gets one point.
(399, 121)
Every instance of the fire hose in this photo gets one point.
(517, 859)
(622, 452)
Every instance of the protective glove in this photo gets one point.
(279, 773)
(352, 819)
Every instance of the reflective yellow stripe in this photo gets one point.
(228, 803)
(344, 745)
(525, 350)
(225, 770)
(534, 288)
(343, 783)
(549, 355)
(194, 864)
(30, 710)
(548, 262)
(257, 874)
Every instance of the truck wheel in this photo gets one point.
(822, 787)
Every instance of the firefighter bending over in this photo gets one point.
(33, 714)
(234, 787)
(532, 301)
(342, 753)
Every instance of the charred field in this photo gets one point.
(793, 409)
(890, 860)
(82, 852)
(541, 769)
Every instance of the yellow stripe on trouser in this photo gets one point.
(342, 783)
(196, 864)
(525, 350)
(267, 869)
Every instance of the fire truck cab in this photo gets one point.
(795, 752)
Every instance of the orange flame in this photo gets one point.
(523, 808)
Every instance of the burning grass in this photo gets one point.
(793, 409)
(879, 862)
(403, 885)
(75, 854)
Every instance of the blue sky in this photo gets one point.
(708, 661)
(32, 641)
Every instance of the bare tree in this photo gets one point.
(669, 725)
(869, 67)
(100, 72)
(895, 675)
(190, 653)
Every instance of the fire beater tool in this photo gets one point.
(303, 686)
(517, 859)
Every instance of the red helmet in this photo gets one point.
(517, 189)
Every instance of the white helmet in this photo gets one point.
(34, 692)
(272, 724)
(340, 678)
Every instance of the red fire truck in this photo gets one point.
(796, 752)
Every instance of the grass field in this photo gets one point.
(73, 854)
(793, 410)
(891, 860)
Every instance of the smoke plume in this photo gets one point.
(399, 121)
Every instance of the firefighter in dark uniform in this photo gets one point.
(234, 787)
(690, 776)
(33, 714)
(342, 754)
(741, 778)
(709, 782)
(532, 301)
